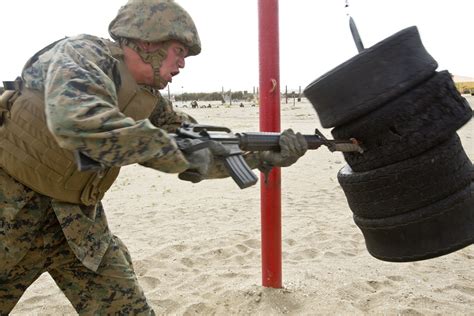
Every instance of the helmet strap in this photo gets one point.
(155, 59)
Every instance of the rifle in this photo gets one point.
(251, 141)
(236, 144)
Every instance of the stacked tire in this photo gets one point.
(411, 191)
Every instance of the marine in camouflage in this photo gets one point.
(81, 240)
(80, 79)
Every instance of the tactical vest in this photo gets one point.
(31, 155)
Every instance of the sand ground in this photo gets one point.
(196, 247)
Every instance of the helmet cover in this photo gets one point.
(156, 21)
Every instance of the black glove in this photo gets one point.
(201, 160)
(292, 147)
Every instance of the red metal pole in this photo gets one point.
(270, 190)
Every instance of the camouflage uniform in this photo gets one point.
(33, 241)
(71, 241)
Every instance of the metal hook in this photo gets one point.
(274, 84)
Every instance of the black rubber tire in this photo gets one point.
(371, 78)
(408, 125)
(407, 185)
(435, 230)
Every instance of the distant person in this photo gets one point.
(90, 99)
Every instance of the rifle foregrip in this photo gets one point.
(261, 141)
(240, 171)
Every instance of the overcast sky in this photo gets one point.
(314, 35)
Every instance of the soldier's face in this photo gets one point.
(160, 63)
(173, 62)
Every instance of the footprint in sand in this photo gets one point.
(149, 282)
(252, 243)
(187, 262)
(242, 248)
(199, 309)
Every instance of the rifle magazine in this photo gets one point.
(240, 171)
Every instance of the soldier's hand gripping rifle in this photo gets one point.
(238, 143)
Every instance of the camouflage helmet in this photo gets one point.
(155, 21)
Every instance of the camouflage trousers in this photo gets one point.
(40, 246)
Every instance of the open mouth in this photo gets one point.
(172, 74)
